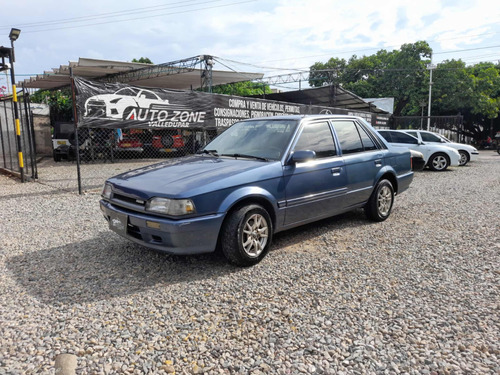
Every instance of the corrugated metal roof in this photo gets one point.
(95, 69)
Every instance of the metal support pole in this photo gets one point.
(431, 67)
(16, 116)
(75, 120)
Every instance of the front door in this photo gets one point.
(314, 189)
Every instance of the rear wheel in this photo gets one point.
(438, 162)
(379, 206)
(464, 157)
(247, 235)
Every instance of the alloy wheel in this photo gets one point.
(439, 162)
(255, 235)
(384, 201)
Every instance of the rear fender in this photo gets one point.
(388, 173)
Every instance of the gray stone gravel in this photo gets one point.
(416, 294)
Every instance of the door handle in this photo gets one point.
(378, 162)
(336, 171)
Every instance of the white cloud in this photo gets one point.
(282, 33)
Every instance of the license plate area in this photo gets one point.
(118, 222)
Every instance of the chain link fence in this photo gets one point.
(103, 153)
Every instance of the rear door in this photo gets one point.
(362, 157)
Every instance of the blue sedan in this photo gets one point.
(257, 178)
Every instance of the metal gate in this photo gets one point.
(17, 158)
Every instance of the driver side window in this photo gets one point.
(317, 137)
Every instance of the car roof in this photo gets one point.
(302, 117)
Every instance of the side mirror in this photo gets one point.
(303, 156)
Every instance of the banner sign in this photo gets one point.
(118, 105)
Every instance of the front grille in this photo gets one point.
(131, 200)
(96, 108)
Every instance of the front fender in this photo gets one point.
(246, 192)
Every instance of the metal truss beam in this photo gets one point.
(159, 70)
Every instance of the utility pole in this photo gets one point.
(431, 67)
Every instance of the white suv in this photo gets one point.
(467, 153)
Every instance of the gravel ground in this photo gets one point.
(416, 294)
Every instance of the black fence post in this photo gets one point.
(75, 119)
(16, 114)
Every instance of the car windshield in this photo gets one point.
(255, 138)
(444, 138)
(127, 91)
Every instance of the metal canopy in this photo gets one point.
(95, 69)
(328, 96)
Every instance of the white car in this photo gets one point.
(467, 153)
(129, 103)
(437, 157)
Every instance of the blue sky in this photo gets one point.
(272, 37)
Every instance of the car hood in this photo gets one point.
(193, 175)
(462, 146)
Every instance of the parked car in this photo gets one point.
(61, 146)
(467, 152)
(169, 141)
(437, 157)
(92, 144)
(130, 143)
(257, 178)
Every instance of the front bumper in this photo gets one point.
(474, 155)
(187, 236)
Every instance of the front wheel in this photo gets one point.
(379, 206)
(247, 235)
(464, 158)
(438, 162)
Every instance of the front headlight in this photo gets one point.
(174, 207)
(106, 191)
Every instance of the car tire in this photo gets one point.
(247, 235)
(379, 206)
(57, 157)
(167, 141)
(464, 158)
(438, 162)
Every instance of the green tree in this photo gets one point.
(246, 88)
(399, 74)
(144, 60)
(329, 73)
(59, 101)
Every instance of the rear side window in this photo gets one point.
(349, 138)
(413, 133)
(398, 137)
(429, 137)
(317, 137)
(365, 139)
(386, 135)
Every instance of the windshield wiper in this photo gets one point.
(246, 156)
(210, 152)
